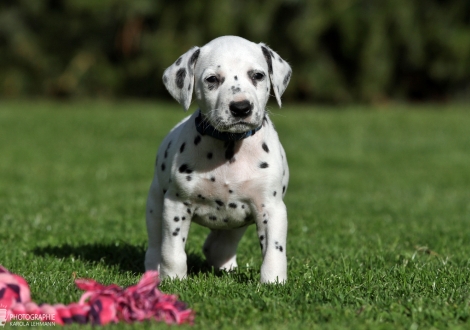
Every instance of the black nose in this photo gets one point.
(240, 109)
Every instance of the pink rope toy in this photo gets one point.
(99, 304)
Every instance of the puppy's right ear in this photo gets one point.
(179, 77)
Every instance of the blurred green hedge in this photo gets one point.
(340, 50)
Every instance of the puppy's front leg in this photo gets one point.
(175, 228)
(271, 225)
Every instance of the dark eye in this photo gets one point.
(212, 79)
(258, 76)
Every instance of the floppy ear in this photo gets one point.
(279, 71)
(179, 77)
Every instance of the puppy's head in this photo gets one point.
(232, 78)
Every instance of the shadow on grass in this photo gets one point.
(197, 264)
(125, 256)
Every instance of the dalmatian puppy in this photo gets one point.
(223, 167)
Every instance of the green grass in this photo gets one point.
(378, 204)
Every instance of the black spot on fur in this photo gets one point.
(265, 147)
(283, 189)
(265, 221)
(177, 195)
(274, 193)
(262, 205)
(209, 155)
(268, 58)
(182, 147)
(186, 203)
(235, 90)
(263, 165)
(225, 220)
(232, 205)
(163, 166)
(175, 233)
(194, 57)
(164, 191)
(183, 218)
(230, 191)
(280, 248)
(261, 237)
(219, 202)
(197, 140)
(236, 78)
(151, 211)
(287, 78)
(213, 179)
(183, 168)
(180, 75)
(189, 87)
(178, 61)
(243, 206)
(189, 178)
(265, 119)
(184, 239)
(188, 211)
(213, 218)
(166, 150)
(176, 219)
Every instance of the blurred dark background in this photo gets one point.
(341, 51)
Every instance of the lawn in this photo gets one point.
(378, 204)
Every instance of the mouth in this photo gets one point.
(238, 127)
(230, 125)
(226, 132)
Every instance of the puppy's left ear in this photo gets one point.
(279, 71)
(179, 77)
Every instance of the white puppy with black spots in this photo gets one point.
(222, 167)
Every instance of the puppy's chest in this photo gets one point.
(223, 182)
(216, 165)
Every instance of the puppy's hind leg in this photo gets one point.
(220, 247)
(154, 218)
